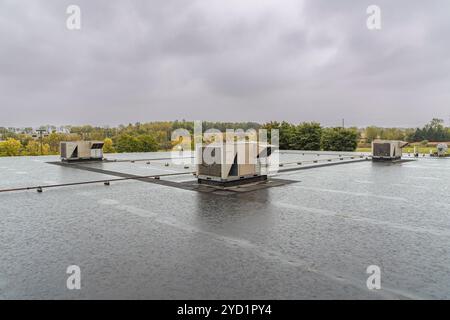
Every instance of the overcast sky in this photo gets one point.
(224, 60)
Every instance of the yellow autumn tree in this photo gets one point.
(108, 146)
(33, 148)
(10, 147)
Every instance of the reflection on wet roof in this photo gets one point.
(311, 238)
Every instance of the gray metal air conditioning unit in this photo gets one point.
(385, 150)
(232, 163)
(81, 150)
(441, 150)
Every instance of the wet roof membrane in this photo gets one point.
(311, 238)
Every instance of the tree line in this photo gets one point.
(433, 131)
(138, 137)
(312, 136)
(155, 136)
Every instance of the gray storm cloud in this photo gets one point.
(251, 60)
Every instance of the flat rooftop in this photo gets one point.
(312, 238)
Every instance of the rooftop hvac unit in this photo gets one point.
(441, 149)
(81, 150)
(387, 149)
(232, 163)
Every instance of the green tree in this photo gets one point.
(339, 139)
(141, 143)
(286, 133)
(372, 133)
(432, 131)
(54, 139)
(306, 136)
(127, 143)
(147, 143)
(393, 134)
